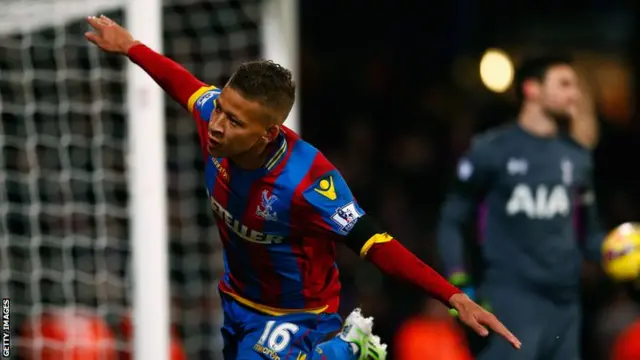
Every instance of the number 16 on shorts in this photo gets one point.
(275, 339)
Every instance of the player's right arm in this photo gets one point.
(174, 79)
(179, 83)
(194, 95)
(474, 174)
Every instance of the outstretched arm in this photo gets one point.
(334, 213)
(179, 83)
(380, 248)
(372, 243)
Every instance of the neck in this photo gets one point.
(255, 157)
(533, 120)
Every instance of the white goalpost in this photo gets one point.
(148, 190)
(102, 208)
(280, 44)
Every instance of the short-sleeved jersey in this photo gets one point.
(279, 223)
(529, 188)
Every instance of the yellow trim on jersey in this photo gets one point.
(278, 155)
(196, 95)
(271, 310)
(375, 239)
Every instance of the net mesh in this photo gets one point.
(63, 184)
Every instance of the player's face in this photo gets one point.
(237, 125)
(559, 91)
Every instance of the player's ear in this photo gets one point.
(530, 89)
(271, 133)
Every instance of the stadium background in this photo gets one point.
(390, 91)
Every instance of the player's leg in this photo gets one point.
(230, 335)
(564, 334)
(522, 312)
(355, 341)
(335, 348)
(339, 349)
(230, 346)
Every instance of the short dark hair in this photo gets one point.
(536, 68)
(267, 83)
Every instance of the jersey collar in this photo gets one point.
(278, 154)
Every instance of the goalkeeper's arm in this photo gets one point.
(457, 210)
(474, 174)
(593, 232)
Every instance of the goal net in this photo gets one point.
(64, 217)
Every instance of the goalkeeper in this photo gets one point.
(533, 180)
(281, 207)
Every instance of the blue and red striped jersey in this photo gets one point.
(279, 224)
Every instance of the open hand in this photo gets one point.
(479, 319)
(109, 36)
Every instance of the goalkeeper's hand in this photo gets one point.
(109, 36)
(584, 121)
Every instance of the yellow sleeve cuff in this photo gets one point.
(375, 239)
(196, 95)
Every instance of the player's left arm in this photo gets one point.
(341, 216)
(336, 214)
